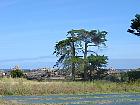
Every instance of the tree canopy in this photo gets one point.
(135, 25)
(73, 51)
(89, 38)
(97, 61)
(95, 66)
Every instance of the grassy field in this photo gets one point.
(9, 86)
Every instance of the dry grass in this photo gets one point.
(3, 102)
(9, 86)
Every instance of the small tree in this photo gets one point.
(95, 64)
(17, 73)
(135, 25)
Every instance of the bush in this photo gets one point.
(16, 73)
(133, 75)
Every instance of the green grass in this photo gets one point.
(9, 86)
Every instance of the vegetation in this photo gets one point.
(66, 50)
(19, 86)
(17, 73)
(133, 75)
(5, 102)
(135, 25)
(76, 54)
(95, 64)
(70, 49)
(94, 38)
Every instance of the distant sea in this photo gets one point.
(124, 63)
(112, 63)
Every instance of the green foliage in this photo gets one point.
(89, 38)
(93, 36)
(133, 75)
(97, 61)
(69, 49)
(123, 77)
(16, 73)
(129, 76)
(95, 64)
(135, 25)
(64, 50)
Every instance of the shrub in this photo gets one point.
(16, 73)
(133, 75)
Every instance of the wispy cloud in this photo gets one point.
(7, 3)
(27, 59)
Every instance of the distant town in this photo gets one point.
(55, 74)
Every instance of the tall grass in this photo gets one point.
(9, 86)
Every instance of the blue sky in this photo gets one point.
(29, 29)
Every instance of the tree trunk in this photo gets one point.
(91, 69)
(85, 62)
(73, 64)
